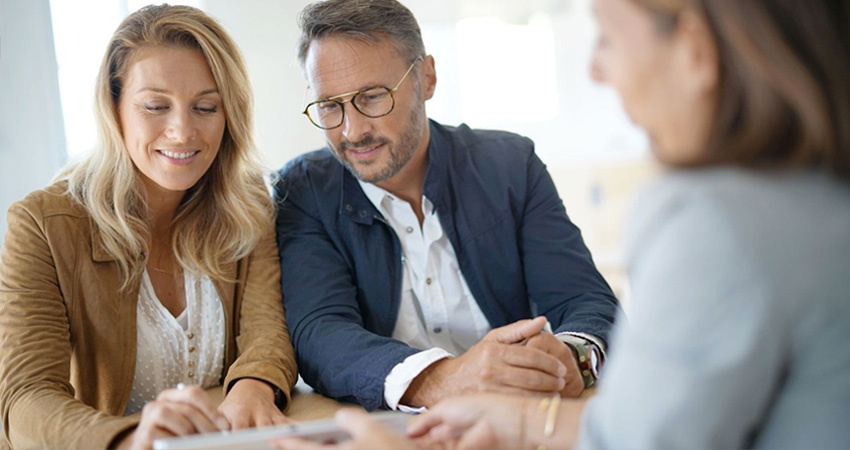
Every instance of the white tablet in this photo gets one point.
(324, 431)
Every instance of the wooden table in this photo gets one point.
(310, 405)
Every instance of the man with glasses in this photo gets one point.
(414, 254)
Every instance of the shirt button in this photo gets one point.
(190, 335)
(438, 330)
(409, 229)
(191, 374)
(191, 349)
(428, 281)
(191, 363)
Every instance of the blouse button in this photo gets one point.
(191, 374)
(428, 281)
(190, 335)
(191, 349)
(191, 363)
(409, 229)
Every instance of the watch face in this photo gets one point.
(593, 355)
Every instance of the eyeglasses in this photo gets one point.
(374, 102)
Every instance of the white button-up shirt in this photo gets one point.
(437, 313)
(186, 349)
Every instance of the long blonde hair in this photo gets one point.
(221, 218)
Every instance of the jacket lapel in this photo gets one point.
(355, 205)
(227, 291)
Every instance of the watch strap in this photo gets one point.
(581, 350)
(279, 397)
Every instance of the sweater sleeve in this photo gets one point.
(698, 362)
(265, 349)
(36, 396)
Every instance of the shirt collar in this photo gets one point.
(376, 195)
(381, 198)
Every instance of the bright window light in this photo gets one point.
(507, 71)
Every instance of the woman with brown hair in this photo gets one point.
(739, 257)
(148, 271)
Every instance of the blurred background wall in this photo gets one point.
(32, 134)
(521, 66)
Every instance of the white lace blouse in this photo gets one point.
(186, 349)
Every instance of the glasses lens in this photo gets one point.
(374, 102)
(325, 114)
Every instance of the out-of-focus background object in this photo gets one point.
(521, 66)
(32, 135)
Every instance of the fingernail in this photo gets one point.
(562, 370)
(561, 383)
(222, 423)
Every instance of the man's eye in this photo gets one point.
(372, 96)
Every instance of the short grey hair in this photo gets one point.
(367, 20)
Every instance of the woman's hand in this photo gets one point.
(481, 421)
(366, 434)
(498, 421)
(175, 412)
(250, 403)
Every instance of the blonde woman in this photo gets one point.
(148, 271)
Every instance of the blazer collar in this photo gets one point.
(355, 205)
(437, 183)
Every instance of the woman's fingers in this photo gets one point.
(198, 399)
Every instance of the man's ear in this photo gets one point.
(427, 77)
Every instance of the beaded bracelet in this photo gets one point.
(552, 405)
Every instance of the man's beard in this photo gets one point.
(400, 153)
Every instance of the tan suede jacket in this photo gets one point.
(68, 334)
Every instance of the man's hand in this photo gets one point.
(550, 344)
(250, 403)
(495, 364)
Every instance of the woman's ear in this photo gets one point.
(697, 54)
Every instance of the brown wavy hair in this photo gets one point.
(784, 94)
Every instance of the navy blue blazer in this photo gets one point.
(342, 262)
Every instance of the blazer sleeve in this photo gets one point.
(563, 283)
(336, 354)
(36, 396)
(265, 349)
(704, 344)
